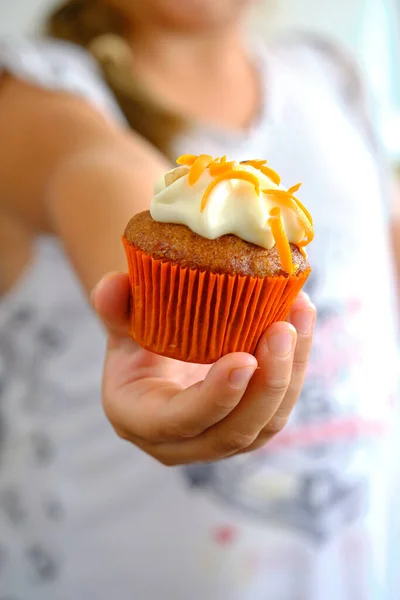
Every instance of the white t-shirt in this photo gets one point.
(85, 516)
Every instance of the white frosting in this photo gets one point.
(232, 207)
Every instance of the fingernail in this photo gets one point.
(303, 321)
(281, 344)
(239, 378)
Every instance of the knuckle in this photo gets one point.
(276, 425)
(167, 461)
(300, 365)
(177, 432)
(112, 413)
(223, 404)
(259, 443)
(233, 442)
(277, 387)
(107, 407)
(122, 434)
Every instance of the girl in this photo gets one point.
(83, 516)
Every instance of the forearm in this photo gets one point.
(90, 200)
(66, 168)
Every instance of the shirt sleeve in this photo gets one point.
(58, 66)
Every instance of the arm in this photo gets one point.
(65, 169)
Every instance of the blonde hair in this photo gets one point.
(102, 30)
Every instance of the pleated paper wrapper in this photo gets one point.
(198, 316)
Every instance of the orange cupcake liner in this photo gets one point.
(198, 316)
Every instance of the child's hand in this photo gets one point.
(182, 413)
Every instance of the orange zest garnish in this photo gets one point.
(222, 167)
(261, 166)
(198, 167)
(286, 199)
(281, 241)
(186, 159)
(292, 191)
(308, 239)
(303, 252)
(273, 175)
(303, 208)
(295, 188)
(221, 170)
(254, 163)
(232, 174)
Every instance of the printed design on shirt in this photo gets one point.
(43, 564)
(13, 506)
(3, 558)
(20, 386)
(307, 477)
(7, 362)
(42, 448)
(23, 397)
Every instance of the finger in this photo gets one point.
(303, 318)
(302, 300)
(206, 403)
(241, 427)
(110, 298)
(160, 411)
(269, 384)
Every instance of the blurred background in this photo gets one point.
(368, 28)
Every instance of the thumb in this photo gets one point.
(111, 300)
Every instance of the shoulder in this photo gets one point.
(57, 66)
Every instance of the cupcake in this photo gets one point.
(217, 259)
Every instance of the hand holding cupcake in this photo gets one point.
(213, 266)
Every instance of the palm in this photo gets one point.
(128, 365)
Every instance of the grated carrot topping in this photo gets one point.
(303, 208)
(217, 169)
(308, 239)
(232, 174)
(273, 175)
(303, 252)
(198, 167)
(284, 198)
(221, 170)
(254, 163)
(261, 166)
(186, 159)
(281, 241)
(295, 188)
